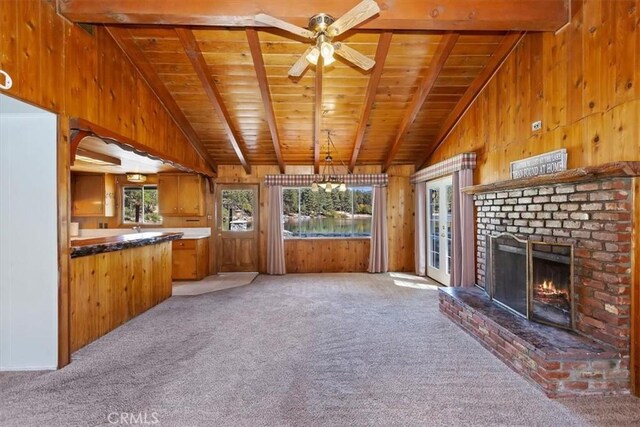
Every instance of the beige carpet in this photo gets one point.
(213, 283)
(296, 350)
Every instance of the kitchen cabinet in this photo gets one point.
(190, 259)
(93, 194)
(180, 195)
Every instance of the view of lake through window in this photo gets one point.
(322, 214)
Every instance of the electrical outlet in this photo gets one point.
(536, 125)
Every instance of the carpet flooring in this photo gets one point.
(297, 350)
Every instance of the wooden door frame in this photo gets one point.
(219, 187)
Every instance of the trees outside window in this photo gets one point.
(322, 214)
(140, 205)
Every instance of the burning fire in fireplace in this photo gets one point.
(547, 293)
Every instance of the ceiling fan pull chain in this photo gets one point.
(7, 81)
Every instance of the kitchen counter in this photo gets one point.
(98, 245)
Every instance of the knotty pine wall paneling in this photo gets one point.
(583, 83)
(111, 288)
(400, 218)
(60, 67)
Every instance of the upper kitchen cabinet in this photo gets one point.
(93, 194)
(180, 195)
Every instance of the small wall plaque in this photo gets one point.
(542, 164)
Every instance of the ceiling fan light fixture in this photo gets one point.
(327, 50)
(313, 56)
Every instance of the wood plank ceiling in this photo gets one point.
(228, 88)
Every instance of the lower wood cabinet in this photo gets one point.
(190, 259)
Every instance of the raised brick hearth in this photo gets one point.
(560, 362)
(594, 215)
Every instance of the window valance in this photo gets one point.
(377, 179)
(446, 167)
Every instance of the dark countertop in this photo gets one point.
(100, 245)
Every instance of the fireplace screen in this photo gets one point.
(532, 279)
(508, 272)
(551, 287)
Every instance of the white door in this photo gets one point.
(439, 226)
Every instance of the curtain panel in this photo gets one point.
(275, 239)
(379, 252)
(420, 237)
(463, 268)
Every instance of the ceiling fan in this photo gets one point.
(322, 29)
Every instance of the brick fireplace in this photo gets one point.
(591, 212)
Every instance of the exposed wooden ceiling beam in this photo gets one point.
(201, 68)
(507, 45)
(437, 63)
(261, 73)
(123, 38)
(381, 54)
(445, 15)
(317, 119)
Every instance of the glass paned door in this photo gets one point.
(237, 223)
(439, 228)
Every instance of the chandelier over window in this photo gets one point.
(329, 179)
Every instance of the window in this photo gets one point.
(237, 210)
(140, 205)
(321, 214)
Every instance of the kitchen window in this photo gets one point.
(140, 205)
(309, 214)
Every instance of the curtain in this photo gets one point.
(379, 253)
(420, 234)
(275, 241)
(462, 239)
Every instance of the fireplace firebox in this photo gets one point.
(532, 279)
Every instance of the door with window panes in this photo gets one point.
(439, 228)
(237, 223)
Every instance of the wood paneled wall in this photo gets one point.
(583, 83)
(326, 255)
(111, 288)
(60, 67)
(399, 217)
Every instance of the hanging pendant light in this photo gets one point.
(329, 180)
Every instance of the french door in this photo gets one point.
(439, 227)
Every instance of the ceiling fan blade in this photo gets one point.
(300, 65)
(278, 23)
(363, 11)
(354, 56)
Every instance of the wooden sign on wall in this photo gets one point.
(542, 164)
